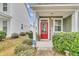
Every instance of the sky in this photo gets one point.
(31, 15)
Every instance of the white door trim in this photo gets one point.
(48, 26)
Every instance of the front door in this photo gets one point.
(44, 29)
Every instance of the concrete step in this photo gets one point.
(43, 45)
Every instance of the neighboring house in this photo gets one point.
(55, 18)
(14, 18)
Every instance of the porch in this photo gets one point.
(50, 25)
(5, 23)
(60, 18)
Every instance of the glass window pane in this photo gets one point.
(4, 6)
(44, 27)
(22, 26)
(5, 26)
(57, 28)
(57, 22)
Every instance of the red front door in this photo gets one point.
(44, 29)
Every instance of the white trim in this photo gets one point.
(8, 26)
(67, 15)
(51, 27)
(49, 5)
(54, 24)
(53, 10)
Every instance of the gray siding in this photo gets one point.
(78, 21)
(67, 24)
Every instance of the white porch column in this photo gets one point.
(34, 31)
(34, 37)
(75, 21)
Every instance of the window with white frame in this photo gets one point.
(58, 24)
(5, 26)
(21, 26)
(4, 6)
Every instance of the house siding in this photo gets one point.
(78, 21)
(67, 24)
(19, 15)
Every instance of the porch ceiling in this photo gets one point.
(50, 9)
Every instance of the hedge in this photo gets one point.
(22, 34)
(22, 47)
(2, 35)
(66, 41)
(14, 35)
(27, 41)
(25, 48)
(30, 34)
(28, 52)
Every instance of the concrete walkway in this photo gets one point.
(44, 48)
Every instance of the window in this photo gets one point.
(4, 6)
(43, 27)
(58, 22)
(57, 28)
(5, 26)
(57, 25)
(22, 26)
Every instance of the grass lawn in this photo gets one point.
(8, 45)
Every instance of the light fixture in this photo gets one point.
(51, 13)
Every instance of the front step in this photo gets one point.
(43, 48)
(43, 45)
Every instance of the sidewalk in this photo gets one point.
(44, 48)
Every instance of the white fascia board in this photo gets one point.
(47, 5)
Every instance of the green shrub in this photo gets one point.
(27, 41)
(22, 34)
(27, 32)
(22, 47)
(66, 41)
(30, 34)
(2, 35)
(29, 52)
(14, 35)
